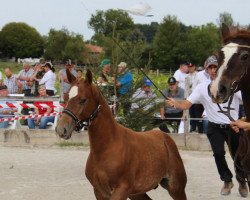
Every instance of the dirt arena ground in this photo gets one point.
(58, 174)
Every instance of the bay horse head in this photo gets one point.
(234, 64)
(82, 105)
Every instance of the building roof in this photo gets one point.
(94, 48)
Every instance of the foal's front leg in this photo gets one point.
(120, 193)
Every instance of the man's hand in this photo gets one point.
(170, 102)
(237, 125)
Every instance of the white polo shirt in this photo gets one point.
(180, 77)
(49, 79)
(200, 95)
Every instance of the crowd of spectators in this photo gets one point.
(33, 81)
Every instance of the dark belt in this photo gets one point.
(221, 126)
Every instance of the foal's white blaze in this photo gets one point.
(73, 92)
(228, 50)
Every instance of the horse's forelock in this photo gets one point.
(236, 34)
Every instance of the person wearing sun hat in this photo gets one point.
(124, 84)
(104, 77)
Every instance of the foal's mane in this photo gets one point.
(235, 32)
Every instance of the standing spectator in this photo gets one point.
(219, 131)
(201, 77)
(124, 84)
(176, 92)
(49, 79)
(14, 86)
(105, 73)
(63, 77)
(5, 112)
(24, 76)
(181, 74)
(191, 84)
(42, 121)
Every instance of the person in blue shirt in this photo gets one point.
(124, 84)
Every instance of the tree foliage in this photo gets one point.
(175, 42)
(21, 41)
(62, 45)
(201, 42)
(105, 22)
(166, 42)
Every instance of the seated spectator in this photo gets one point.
(166, 112)
(143, 93)
(5, 112)
(39, 110)
(39, 71)
(24, 77)
(14, 86)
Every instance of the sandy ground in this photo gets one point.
(58, 174)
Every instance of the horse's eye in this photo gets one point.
(82, 101)
(244, 55)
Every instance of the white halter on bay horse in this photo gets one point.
(122, 163)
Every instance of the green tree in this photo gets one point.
(225, 18)
(166, 43)
(62, 45)
(148, 30)
(74, 49)
(201, 42)
(105, 22)
(20, 40)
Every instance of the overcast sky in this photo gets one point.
(74, 14)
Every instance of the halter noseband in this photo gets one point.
(84, 122)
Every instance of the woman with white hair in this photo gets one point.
(40, 110)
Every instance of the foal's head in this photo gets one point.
(83, 101)
(234, 61)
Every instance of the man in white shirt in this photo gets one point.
(181, 74)
(219, 130)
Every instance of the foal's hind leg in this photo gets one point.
(98, 195)
(140, 197)
(175, 188)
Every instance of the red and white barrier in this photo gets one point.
(5, 119)
(29, 105)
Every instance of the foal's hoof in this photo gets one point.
(243, 189)
(226, 189)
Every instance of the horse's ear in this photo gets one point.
(88, 76)
(71, 78)
(225, 30)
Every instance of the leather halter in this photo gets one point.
(80, 123)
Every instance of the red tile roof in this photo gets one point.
(94, 48)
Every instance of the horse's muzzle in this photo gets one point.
(63, 132)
